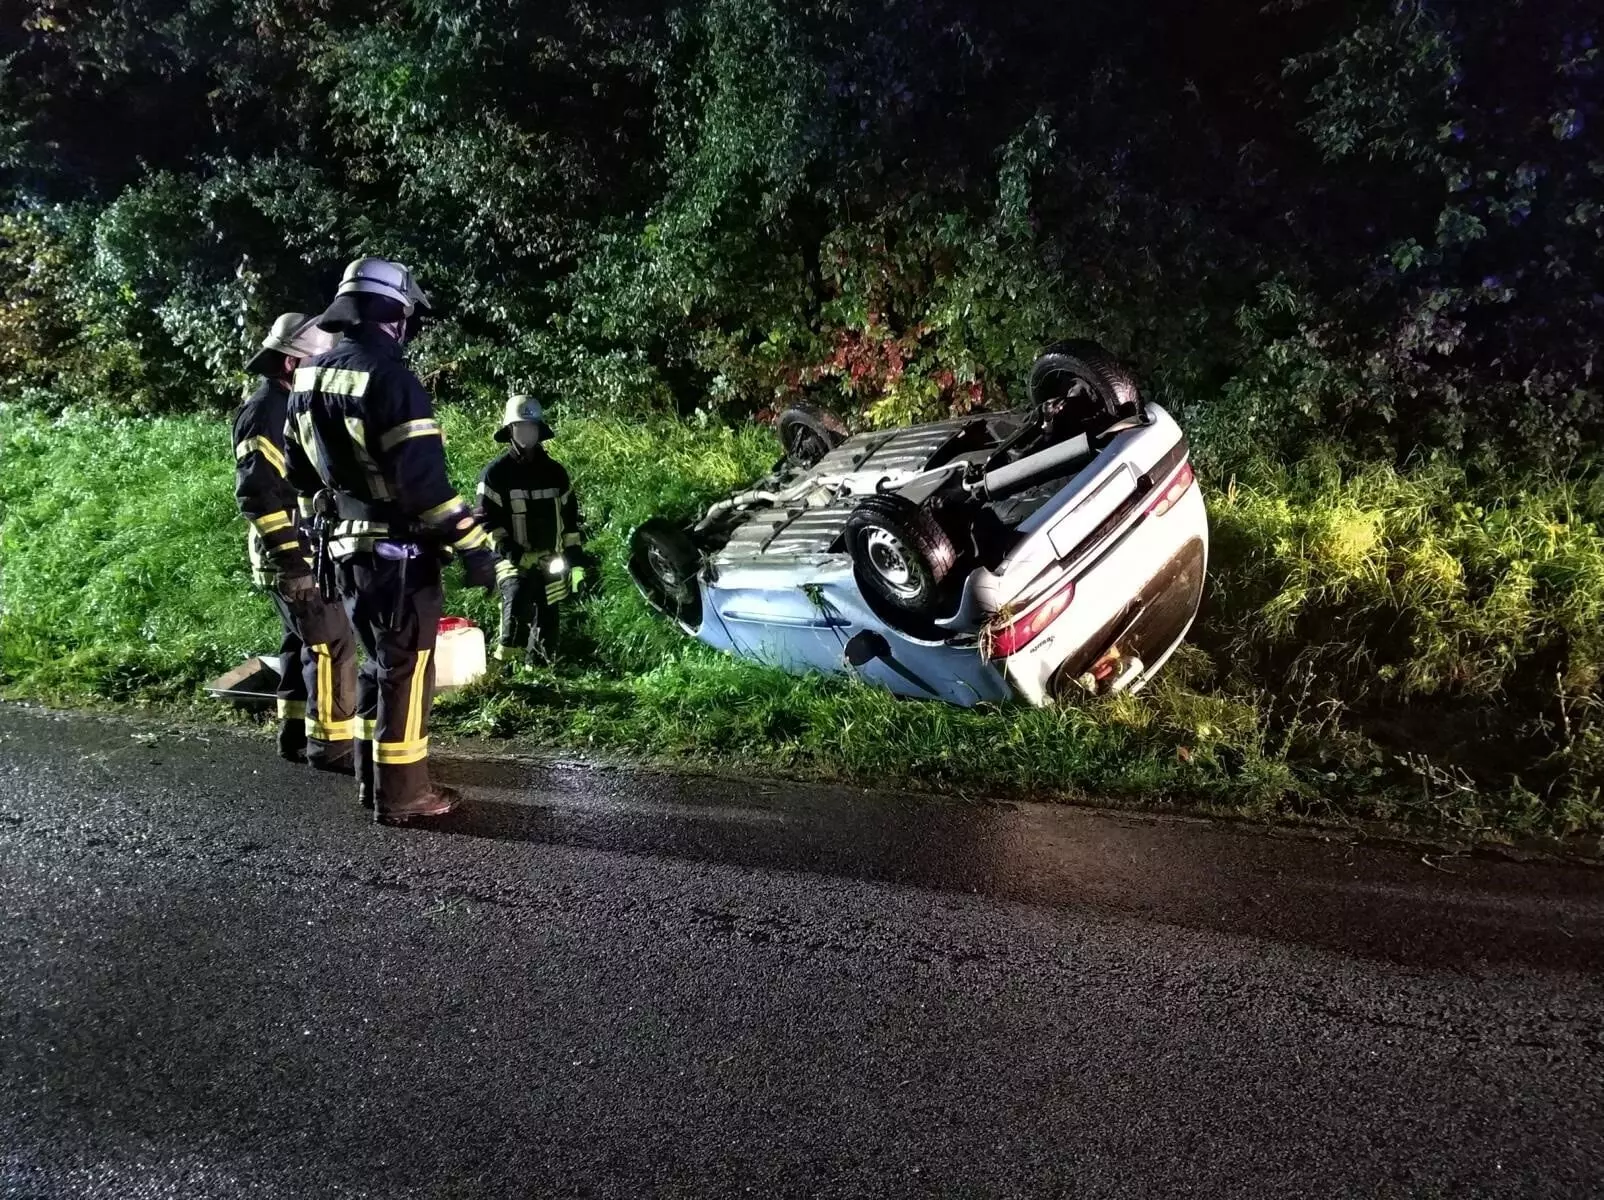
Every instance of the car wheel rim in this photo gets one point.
(807, 446)
(661, 567)
(891, 563)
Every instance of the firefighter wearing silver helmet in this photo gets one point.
(317, 653)
(361, 433)
(529, 508)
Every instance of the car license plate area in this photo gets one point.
(1071, 531)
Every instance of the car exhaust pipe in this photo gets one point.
(1035, 468)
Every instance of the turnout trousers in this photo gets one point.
(528, 618)
(317, 693)
(396, 615)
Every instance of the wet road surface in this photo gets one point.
(217, 980)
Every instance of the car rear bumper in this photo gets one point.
(1169, 556)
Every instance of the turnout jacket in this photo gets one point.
(276, 541)
(529, 507)
(359, 422)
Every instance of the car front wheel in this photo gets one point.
(665, 563)
(808, 434)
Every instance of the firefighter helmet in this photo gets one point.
(373, 277)
(523, 408)
(294, 335)
(381, 277)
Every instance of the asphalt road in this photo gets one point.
(216, 980)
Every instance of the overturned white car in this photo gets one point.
(1048, 551)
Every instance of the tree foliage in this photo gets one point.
(1383, 221)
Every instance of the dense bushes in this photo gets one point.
(1382, 222)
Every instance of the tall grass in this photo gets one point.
(1419, 582)
(122, 568)
(1405, 644)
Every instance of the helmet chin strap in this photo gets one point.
(396, 329)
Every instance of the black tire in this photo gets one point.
(665, 563)
(808, 434)
(1063, 364)
(901, 556)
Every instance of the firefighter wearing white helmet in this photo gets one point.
(528, 505)
(362, 434)
(317, 653)
(377, 277)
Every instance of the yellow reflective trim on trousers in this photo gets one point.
(399, 754)
(423, 427)
(272, 523)
(321, 726)
(325, 680)
(333, 380)
(366, 729)
(420, 685)
(292, 710)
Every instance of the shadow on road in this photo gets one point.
(1392, 904)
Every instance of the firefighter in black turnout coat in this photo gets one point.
(529, 508)
(361, 434)
(317, 655)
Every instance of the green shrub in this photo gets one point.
(1376, 222)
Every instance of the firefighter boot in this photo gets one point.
(292, 741)
(337, 758)
(436, 800)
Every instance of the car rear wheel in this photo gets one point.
(808, 434)
(900, 555)
(665, 563)
(1091, 385)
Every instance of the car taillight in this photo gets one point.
(1027, 627)
(1173, 491)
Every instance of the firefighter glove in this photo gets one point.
(479, 568)
(297, 587)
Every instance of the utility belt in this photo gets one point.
(344, 527)
(376, 515)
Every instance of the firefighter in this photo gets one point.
(362, 435)
(317, 656)
(529, 508)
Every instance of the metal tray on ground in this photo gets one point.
(253, 684)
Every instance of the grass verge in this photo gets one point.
(1413, 646)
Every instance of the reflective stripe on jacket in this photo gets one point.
(530, 512)
(359, 422)
(276, 541)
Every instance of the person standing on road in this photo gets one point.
(529, 508)
(317, 654)
(362, 435)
